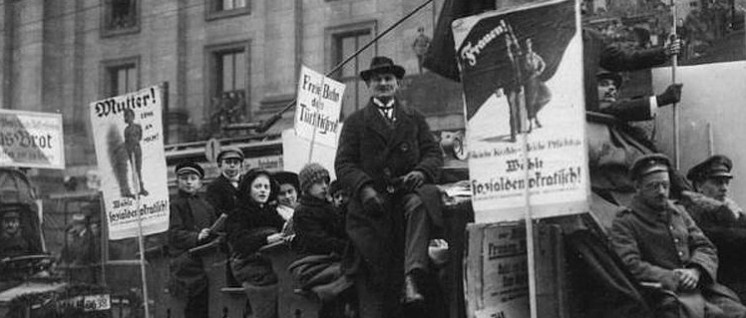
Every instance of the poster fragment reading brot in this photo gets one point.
(522, 76)
(128, 136)
(31, 139)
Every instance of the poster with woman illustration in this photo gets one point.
(522, 75)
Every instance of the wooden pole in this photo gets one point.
(674, 64)
(533, 305)
(140, 240)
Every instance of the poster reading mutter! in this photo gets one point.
(128, 135)
(522, 75)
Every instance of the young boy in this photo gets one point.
(321, 239)
(319, 228)
(191, 218)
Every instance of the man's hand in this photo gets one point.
(673, 47)
(688, 277)
(203, 235)
(671, 95)
(413, 180)
(372, 202)
(274, 238)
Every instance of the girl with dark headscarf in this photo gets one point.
(253, 224)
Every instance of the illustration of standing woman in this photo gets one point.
(132, 137)
(537, 93)
(513, 86)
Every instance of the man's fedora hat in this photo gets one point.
(380, 65)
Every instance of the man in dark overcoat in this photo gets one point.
(190, 218)
(660, 243)
(598, 52)
(222, 191)
(390, 161)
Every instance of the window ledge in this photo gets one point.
(107, 33)
(215, 15)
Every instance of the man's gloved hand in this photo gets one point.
(372, 202)
(671, 95)
(413, 180)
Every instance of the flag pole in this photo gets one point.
(674, 64)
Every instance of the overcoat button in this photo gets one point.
(404, 147)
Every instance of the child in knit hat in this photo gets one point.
(319, 230)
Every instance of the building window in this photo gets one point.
(229, 78)
(345, 44)
(120, 76)
(120, 17)
(226, 8)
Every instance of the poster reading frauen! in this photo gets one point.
(522, 75)
(128, 136)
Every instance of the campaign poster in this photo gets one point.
(319, 103)
(31, 139)
(128, 135)
(522, 76)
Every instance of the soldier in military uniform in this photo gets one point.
(719, 217)
(659, 242)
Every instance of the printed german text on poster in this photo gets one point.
(128, 136)
(31, 139)
(319, 105)
(522, 77)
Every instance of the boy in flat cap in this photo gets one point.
(659, 242)
(222, 191)
(721, 219)
(390, 161)
(191, 218)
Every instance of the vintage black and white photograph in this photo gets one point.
(372, 158)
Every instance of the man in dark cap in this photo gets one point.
(719, 217)
(660, 243)
(634, 109)
(13, 241)
(222, 191)
(388, 159)
(190, 221)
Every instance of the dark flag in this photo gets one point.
(441, 57)
(494, 52)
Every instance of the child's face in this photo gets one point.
(340, 198)
(287, 195)
(319, 189)
(260, 189)
(189, 182)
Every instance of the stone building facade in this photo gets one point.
(59, 56)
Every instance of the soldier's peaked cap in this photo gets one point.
(649, 164)
(717, 166)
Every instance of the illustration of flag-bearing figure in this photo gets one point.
(128, 136)
(522, 76)
(516, 52)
